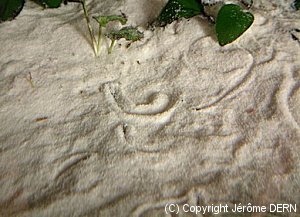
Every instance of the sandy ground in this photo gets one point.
(173, 118)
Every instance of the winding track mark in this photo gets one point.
(70, 163)
(290, 87)
(158, 111)
(230, 91)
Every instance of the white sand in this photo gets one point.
(192, 122)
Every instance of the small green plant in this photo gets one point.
(90, 29)
(129, 33)
(9, 9)
(102, 23)
(176, 9)
(104, 20)
(231, 20)
(231, 23)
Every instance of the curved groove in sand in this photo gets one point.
(289, 90)
(230, 90)
(295, 91)
(69, 163)
(158, 110)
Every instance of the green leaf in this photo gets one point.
(176, 9)
(129, 33)
(51, 3)
(104, 20)
(296, 4)
(9, 9)
(231, 23)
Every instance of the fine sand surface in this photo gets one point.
(173, 118)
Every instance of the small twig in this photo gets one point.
(30, 80)
(41, 119)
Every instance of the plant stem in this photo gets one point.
(89, 27)
(111, 46)
(99, 38)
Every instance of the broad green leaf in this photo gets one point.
(176, 9)
(296, 4)
(104, 20)
(231, 23)
(9, 9)
(129, 33)
(51, 3)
